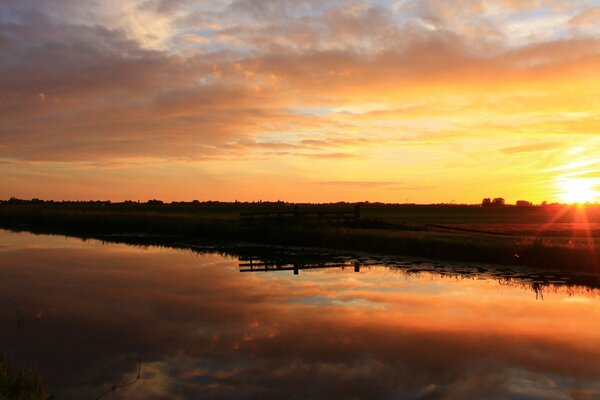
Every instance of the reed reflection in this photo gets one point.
(539, 281)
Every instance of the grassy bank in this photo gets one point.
(20, 383)
(539, 237)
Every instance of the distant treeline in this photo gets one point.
(15, 200)
(496, 202)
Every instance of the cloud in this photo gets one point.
(194, 38)
(361, 184)
(588, 18)
(330, 155)
(120, 82)
(525, 148)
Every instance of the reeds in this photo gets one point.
(163, 225)
(20, 383)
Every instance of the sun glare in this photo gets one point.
(578, 190)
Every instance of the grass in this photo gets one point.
(551, 237)
(21, 383)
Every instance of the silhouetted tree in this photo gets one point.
(523, 203)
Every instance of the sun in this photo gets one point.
(578, 190)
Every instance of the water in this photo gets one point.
(205, 330)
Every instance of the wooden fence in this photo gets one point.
(255, 264)
(298, 216)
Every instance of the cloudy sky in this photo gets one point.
(307, 100)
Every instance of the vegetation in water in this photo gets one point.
(563, 237)
(21, 383)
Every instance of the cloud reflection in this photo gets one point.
(207, 331)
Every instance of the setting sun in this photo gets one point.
(578, 190)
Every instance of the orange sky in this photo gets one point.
(420, 101)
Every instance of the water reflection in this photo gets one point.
(539, 281)
(205, 330)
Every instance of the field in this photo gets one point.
(554, 236)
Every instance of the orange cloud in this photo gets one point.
(588, 18)
(328, 82)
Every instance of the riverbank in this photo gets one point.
(473, 235)
(20, 383)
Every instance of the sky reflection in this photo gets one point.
(205, 330)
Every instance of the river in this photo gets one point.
(89, 315)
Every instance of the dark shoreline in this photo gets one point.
(158, 226)
(294, 258)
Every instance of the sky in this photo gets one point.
(422, 101)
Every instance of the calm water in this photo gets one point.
(206, 330)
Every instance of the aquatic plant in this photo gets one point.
(21, 383)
